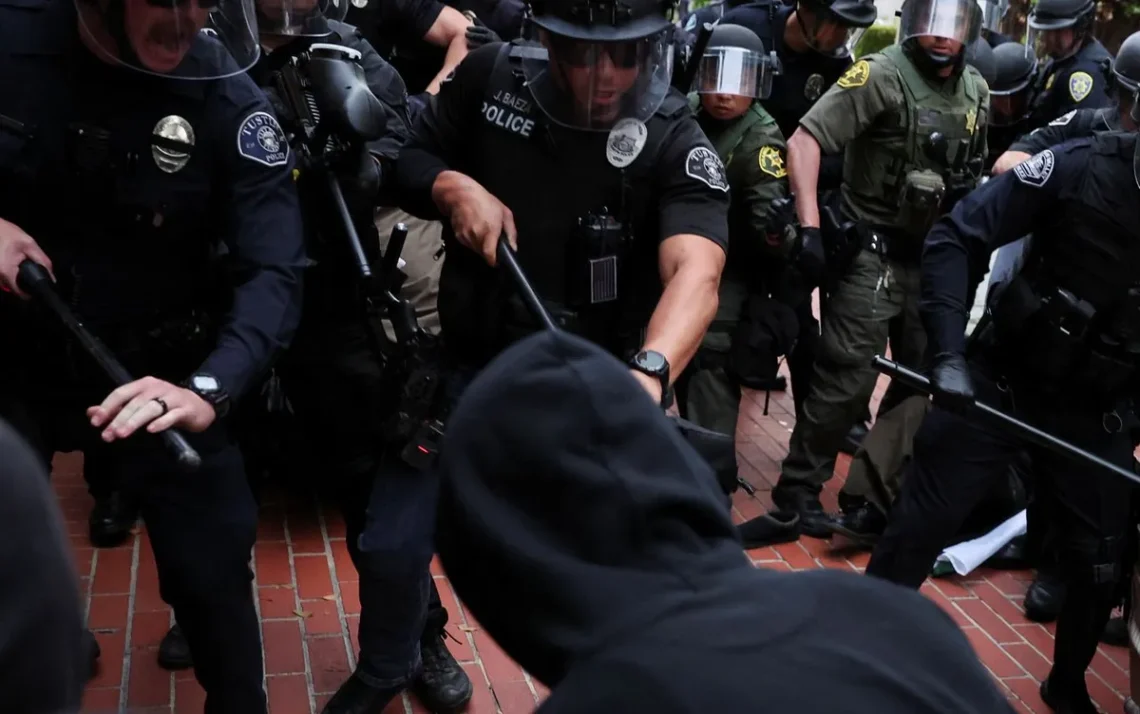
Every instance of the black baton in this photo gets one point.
(35, 281)
(506, 258)
(919, 383)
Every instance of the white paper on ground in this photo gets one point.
(968, 555)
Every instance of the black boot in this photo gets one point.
(93, 652)
(174, 651)
(442, 686)
(1045, 597)
(862, 526)
(814, 521)
(356, 696)
(111, 521)
(854, 439)
(1074, 703)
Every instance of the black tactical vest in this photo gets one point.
(549, 177)
(1091, 253)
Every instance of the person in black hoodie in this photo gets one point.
(44, 648)
(590, 541)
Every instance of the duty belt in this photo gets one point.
(890, 244)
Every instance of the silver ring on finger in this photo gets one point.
(162, 403)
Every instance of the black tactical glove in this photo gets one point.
(361, 178)
(809, 255)
(950, 382)
(479, 35)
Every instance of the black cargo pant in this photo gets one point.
(956, 461)
(202, 527)
(336, 385)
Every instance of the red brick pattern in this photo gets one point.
(309, 605)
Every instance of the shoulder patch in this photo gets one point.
(704, 165)
(1080, 85)
(856, 75)
(1064, 119)
(772, 162)
(260, 138)
(1036, 170)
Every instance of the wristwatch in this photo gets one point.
(210, 390)
(655, 365)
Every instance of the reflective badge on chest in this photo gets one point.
(510, 112)
(625, 142)
(171, 144)
(813, 88)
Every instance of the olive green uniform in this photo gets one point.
(753, 152)
(884, 114)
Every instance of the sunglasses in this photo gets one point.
(577, 53)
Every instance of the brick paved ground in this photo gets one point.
(307, 596)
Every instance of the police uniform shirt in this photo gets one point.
(1077, 82)
(546, 179)
(1044, 196)
(1077, 124)
(396, 29)
(860, 100)
(133, 228)
(805, 76)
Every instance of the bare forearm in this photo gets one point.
(456, 51)
(682, 317)
(803, 175)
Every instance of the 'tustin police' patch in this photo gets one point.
(1036, 170)
(704, 165)
(261, 139)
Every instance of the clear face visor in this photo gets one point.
(1057, 43)
(993, 12)
(183, 39)
(954, 20)
(1008, 107)
(299, 18)
(826, 34)
(734, 70)
(585, 84)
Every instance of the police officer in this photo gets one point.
(895, 183)
(1085, 121)
(574, 147)
(123, 177)
(732, 76)
(1075, 75)
(810, 39)
(1015, 71)
(1061, 353)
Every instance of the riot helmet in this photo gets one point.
(590, 63)
(831, 26)
(1014, 73)
(936, 32)
(980, 56)
(735, 63)
(993, 12)
(1058, 28)
(171, 38)
(299, 18)
(1126, 66)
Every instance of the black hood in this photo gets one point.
(572, 511)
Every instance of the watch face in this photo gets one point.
(652, 361)
(205, 383)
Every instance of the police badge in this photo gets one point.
(813, 88)
(171, 143)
